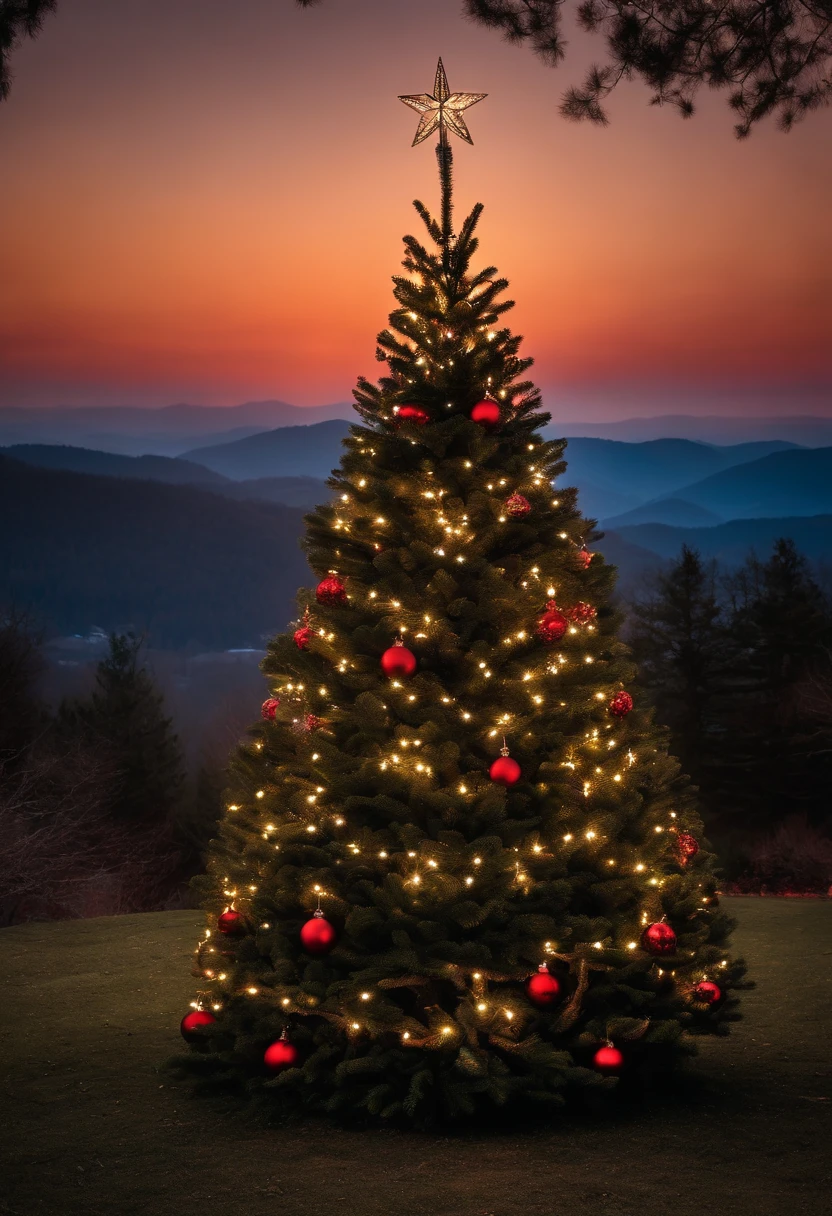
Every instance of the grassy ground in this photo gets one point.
(91, 1010)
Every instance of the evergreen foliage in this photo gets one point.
(446, 889)
(741, 673)
(679, 642)
(125, 719)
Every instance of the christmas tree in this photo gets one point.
(458, 869)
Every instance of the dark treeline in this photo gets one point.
(97, 815)
(739, 667)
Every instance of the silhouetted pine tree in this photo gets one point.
(780, 633)
(125, 719)
(680, 643)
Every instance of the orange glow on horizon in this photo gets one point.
(220, 244)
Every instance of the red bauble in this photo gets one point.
(279, 1055)
(269, 708)
(608, 1058)
(413, 413)
(687, 845)
(581, 613)
(504, 770)
(585, 557)
(194, 1021)
(552, 625)
(318, 935)
(543, 989)
(231, 922)
(659, 938)
(312, 722)
(302, 637)
(517, 506)
(398, 661)
(708, 992)
(486, 413)
(332, 591)
(621, 704)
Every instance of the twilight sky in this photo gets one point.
(204, 202)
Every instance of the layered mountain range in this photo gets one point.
(203, 547)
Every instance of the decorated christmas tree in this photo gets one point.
(458, 870)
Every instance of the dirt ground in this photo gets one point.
(92, 1125)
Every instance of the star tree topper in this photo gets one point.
(442, 109)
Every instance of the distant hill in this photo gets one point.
(184, 564)
(633, 561)
(108, 464)
(291, 451)
(797, 482)
(730, 542)
(805, 430)
(166, 431)
(674, 511)
(304, 492)
(655, 469)
(612, 477)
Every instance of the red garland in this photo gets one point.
(687, 846)
(581, 613)
(302, 637)
(331, 591)
(621, 704)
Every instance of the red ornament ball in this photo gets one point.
(543, 989)
(413, 413)
(398, 661)
(505, 771)
(230, 922)
(659, 938)
(608, 1059)
(687, 845)
(621, 704)
(331, 591)
(708, 992)
(318, 935)
(312, 722)
(581, 613)
(517, 506)
(279, 1055)
(269, 708)
(585, 557)
(194, 1021)
(302, 637)
(486, 413)
(552, 625)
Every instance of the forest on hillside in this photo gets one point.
(107, 806)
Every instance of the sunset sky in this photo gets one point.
(204, 202)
